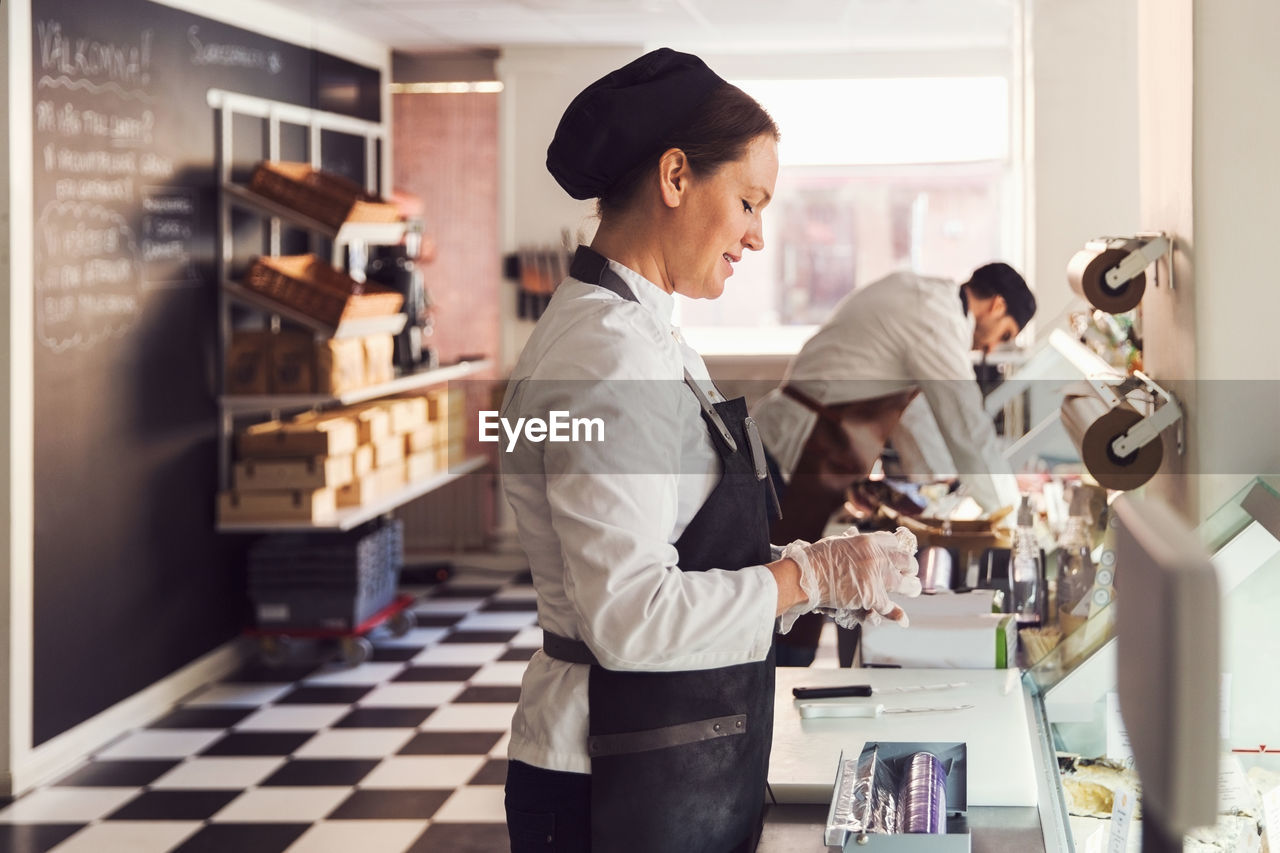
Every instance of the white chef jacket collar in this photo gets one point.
(656, 300)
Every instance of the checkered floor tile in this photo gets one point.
(403, 754)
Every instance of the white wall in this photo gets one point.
(1083, 113)
(20, 765)
(1236, 175)
(539, 82)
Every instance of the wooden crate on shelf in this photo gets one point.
(297, 505)
(322, 196)
(294, 472)
(321, 436)
(309, 285)
(420, 466)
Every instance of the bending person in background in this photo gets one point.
(854, 386)
(645, 721)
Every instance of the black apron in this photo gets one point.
(679, 760)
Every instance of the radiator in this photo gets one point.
(455, 517)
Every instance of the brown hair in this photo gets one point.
(727, 122)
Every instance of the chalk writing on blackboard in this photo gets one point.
(80, 60)
(168, 227)
(87, 288)
(232, 55)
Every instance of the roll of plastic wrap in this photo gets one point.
(1093, 426)
(1087, 274)
(922, 799)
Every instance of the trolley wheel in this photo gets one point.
(274, 650)
(356, 650)
(401, 623)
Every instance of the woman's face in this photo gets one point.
(720, 219)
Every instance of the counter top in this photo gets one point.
(1000, 742)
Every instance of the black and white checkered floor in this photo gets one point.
(403, 754)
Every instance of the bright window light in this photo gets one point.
(909, 120)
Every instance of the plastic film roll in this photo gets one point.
(1093, 426)
(922, 799)
(1087, 274)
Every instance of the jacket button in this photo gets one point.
(716, 727)
(738, 724)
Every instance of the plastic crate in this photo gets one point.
(332, 582)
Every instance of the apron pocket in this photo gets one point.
(531, 832)
(599, 746)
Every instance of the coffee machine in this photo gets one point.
(396, 267)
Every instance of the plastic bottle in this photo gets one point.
(1025, 568)
(1075, 567)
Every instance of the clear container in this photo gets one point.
(1075, 573)
(1025, 569)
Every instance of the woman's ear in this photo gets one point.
(673, 176)
(999, 308)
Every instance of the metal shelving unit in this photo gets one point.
(255, 404)
(358, 235)
(346, 519)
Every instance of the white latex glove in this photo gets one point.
(849, 576)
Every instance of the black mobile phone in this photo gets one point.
(831, 692)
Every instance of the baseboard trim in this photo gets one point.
(61, 754)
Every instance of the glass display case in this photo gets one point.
(1075, 685)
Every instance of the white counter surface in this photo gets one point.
(1001, 766)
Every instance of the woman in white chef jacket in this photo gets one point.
(644, 724)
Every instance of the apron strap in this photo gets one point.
(811, 404)
(592, 267)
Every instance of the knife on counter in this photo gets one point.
(809, 710)
(864, 690)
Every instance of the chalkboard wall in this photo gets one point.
(131, 580)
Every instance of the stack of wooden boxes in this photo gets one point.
(308, 468)
(296, 362)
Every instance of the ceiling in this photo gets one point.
(722, 25)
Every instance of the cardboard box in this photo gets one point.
(293, 369)
(379, 353)
(391, 479)
(389, 451)
(407, 413)
(313, 472)
(420, 466)
(422, 440)
(950, 641)
(363, 460)
(438, 405)
(301, 505)
(248, 369)
(323, 436)
(360, 491)
(373, 421)
(339, 365)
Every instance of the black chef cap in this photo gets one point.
(999, 279)
(622, 118)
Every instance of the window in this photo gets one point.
(876, 175)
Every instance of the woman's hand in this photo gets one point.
(848, 576)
